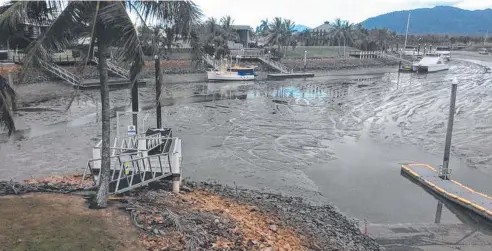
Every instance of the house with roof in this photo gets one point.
(325, 27)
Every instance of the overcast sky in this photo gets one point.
(314, 12)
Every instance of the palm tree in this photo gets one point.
(7, 99)
(276, 32)
(228, 32)
(263, 28)
(107, 24)
(288, 29)
(342, 31)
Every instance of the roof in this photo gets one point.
(241, 27)
(324, 27)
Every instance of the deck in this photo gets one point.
(113, 83)
(452, 190)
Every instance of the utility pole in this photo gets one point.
(444, 172)
(305, 60)
(158, 80)
(158, 86)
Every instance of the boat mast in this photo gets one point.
(406, 35)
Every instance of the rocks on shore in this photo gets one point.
(324, 226)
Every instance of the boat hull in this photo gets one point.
(228, 76)
(432, 68)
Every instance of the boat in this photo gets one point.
(228, 72)
(223, 75)
(483, 51)
(431, 64)
(444, 52)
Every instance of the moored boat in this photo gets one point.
(231, 73)
(431, 64)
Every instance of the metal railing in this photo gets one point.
(114, 68)
(61, 73)
(132, 166)
(276, 65)
(210, 61)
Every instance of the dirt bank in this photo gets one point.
(203, 217)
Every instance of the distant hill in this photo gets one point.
(300, 27)
(437, 20)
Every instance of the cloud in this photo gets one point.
(313, 12)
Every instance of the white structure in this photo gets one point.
(431, 64)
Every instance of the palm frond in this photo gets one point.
(73, 17)
(17, 13)
(7, 96)
(120, 31)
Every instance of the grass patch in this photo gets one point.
(61, 222)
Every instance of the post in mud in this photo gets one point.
(444, 171)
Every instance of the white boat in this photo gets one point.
(221, 75)
(431, 64)
(483, 51)
(444, 52)
(227, 72)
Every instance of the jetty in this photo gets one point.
(284, 71)
(452, 190)
(290, 75)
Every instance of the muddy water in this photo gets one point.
(331, 139)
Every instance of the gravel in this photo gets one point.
(324, 225)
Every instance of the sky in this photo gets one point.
(313, 13)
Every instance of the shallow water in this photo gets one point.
(337, 139)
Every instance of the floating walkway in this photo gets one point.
(290, 75)
(452, 190)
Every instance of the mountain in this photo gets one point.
(437, 20)
(300, 27)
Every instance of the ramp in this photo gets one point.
(114, 68)
(210, 61)
(60, 72)
(275, 65)
(138, 160)
(427, 176)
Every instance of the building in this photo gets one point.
(244, 34)
(326, 27)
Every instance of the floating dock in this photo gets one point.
(290, 75)
(113, 83)
(452, 190)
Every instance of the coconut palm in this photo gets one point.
(342, 32)
(288, 29)
(228, 33)
(263, 28)
(107, 24)
(7, 98)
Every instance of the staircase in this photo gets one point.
(114, 68)
(210, 61)
(61, 73)
(275, 65)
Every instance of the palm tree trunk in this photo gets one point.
(103, 192)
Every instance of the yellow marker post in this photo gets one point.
(127, 168)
